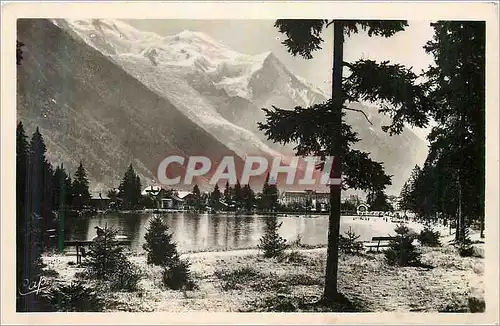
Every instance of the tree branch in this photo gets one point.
(329, 23)
(357, 110)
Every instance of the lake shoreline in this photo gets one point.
(207, 232)
(91, 214)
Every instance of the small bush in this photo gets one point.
(401, 250)
(177, 276)
(465, 247)
(76, 297)
(127, 278)
(429, 238)
(466, 251)
(348, 244)
(476, 304)
(271, 243)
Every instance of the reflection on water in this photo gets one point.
(211, 232)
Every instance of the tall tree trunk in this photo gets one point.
(330, 291)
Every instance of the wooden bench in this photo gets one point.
(378, 243)
(80, 244)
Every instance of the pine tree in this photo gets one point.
(22, 215)
(215, 197)
(271, 243)
(137, 191)
(21, 167)
(238, 195)
(378, 201)
(272, 195)
(197, 198)
(457, 83)
(35, 210)
(401, 250)
(62, 188)
(248, 197)
(264, 202)
(451, 183)
(409, 191)
(160, 247)
(80, 188)
(269, 195)
(319, 129)
(130, 189)
(404, 197)
(228, 197)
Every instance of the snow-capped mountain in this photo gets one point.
(89, 109)
(224, 91)
(203, 77)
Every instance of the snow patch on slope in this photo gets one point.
(227, 68)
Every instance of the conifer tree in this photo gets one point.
(378, 201)
(35, 212)
(401, 250)
(264, 197)
(269, 196)
(160, 247)
(215, 196)
(273, 196)
(228, 193)
(248, 197)
(238, 194)
(271, 243)
(457, 142)
(22, 216)
(62, 188)
(21, 165)
(80, 188)
(319, 130)
(197, 198)
(408, 200)
(130, 189)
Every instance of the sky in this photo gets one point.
(258, 36)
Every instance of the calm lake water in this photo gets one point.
(220, 232)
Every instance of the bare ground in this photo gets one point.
(245, 281)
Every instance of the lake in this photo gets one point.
(202, 232)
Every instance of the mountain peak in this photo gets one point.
(189, 36)
(263, 56)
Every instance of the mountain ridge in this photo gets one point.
(64, 89)
(224, 91)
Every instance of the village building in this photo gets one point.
(100, 201)
(303, 197)
(166, 199)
